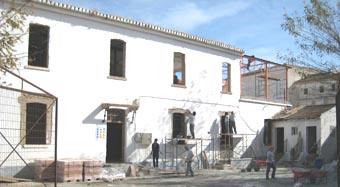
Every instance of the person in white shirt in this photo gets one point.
(188, 159)
(270, 162)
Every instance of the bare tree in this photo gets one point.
(317, 35)
(12, 21)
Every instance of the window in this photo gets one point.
(36, 123)
(38, 45)
(36, 119)
(305, 91)
(226, 77)
(294, 130)
(179, 69)
(333, 87)
(322, 89)
(117, 58)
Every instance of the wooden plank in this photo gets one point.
(13, 180)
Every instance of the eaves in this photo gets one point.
(130, 24)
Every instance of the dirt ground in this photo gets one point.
(230, 178)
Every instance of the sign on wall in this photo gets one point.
(100, 133)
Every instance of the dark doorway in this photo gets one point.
(114, 142)
(179, 127)
(311, 140)
(226, 141)
(280, 140)
(114, 137)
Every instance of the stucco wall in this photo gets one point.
(79, 56)
(79, 61)
(323, 125)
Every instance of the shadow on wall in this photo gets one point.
(257, 149)
(328, 151)
(214, 129)
(91, 118)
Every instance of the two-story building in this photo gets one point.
(121, 83)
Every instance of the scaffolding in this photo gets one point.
(264, 80)
(173, 152)
(234, 145)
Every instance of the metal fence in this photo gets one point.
(338, 131)
(28, 131)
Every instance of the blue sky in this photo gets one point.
(252, 25)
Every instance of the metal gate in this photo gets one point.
(28, 131)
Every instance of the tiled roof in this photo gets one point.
(303, 112)
(142, 25)
(318, 77)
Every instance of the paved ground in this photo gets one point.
(230, 178)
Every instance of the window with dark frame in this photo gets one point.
(38, 45)
(305, 91)
(294, 131)
(333, 87)
(117, 58)
(36, 123)
(322, 89)
(179, 69)
(226, 77)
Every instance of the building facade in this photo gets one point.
(122, 83)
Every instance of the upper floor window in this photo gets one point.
(333, 87)
(36, 123)
(305, 91)
(38, 45)
(322, 89)
(179, 69)
(226, 77)
(117, 58)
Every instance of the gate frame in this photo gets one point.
(23, 80)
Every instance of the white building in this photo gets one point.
(305, 130)
(116, 88)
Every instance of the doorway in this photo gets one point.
(179, 128)
(311, 140)
(280, 140)
(114, 142)
(115, 135)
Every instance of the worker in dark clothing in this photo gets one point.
(155, 153)
(232, 124)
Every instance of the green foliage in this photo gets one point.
(11, 30)
(317, 35)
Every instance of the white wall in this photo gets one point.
(322, 124)
(79, 57)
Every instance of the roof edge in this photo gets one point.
(130, 22)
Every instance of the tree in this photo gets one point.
(12, 22)
(317, 35)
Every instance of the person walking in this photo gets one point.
(232, 123)
(155, 153)
(192, 123)
(270, 162)
(188, 159)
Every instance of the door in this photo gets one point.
(311, 140)
(280, 140)
(114, 142)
